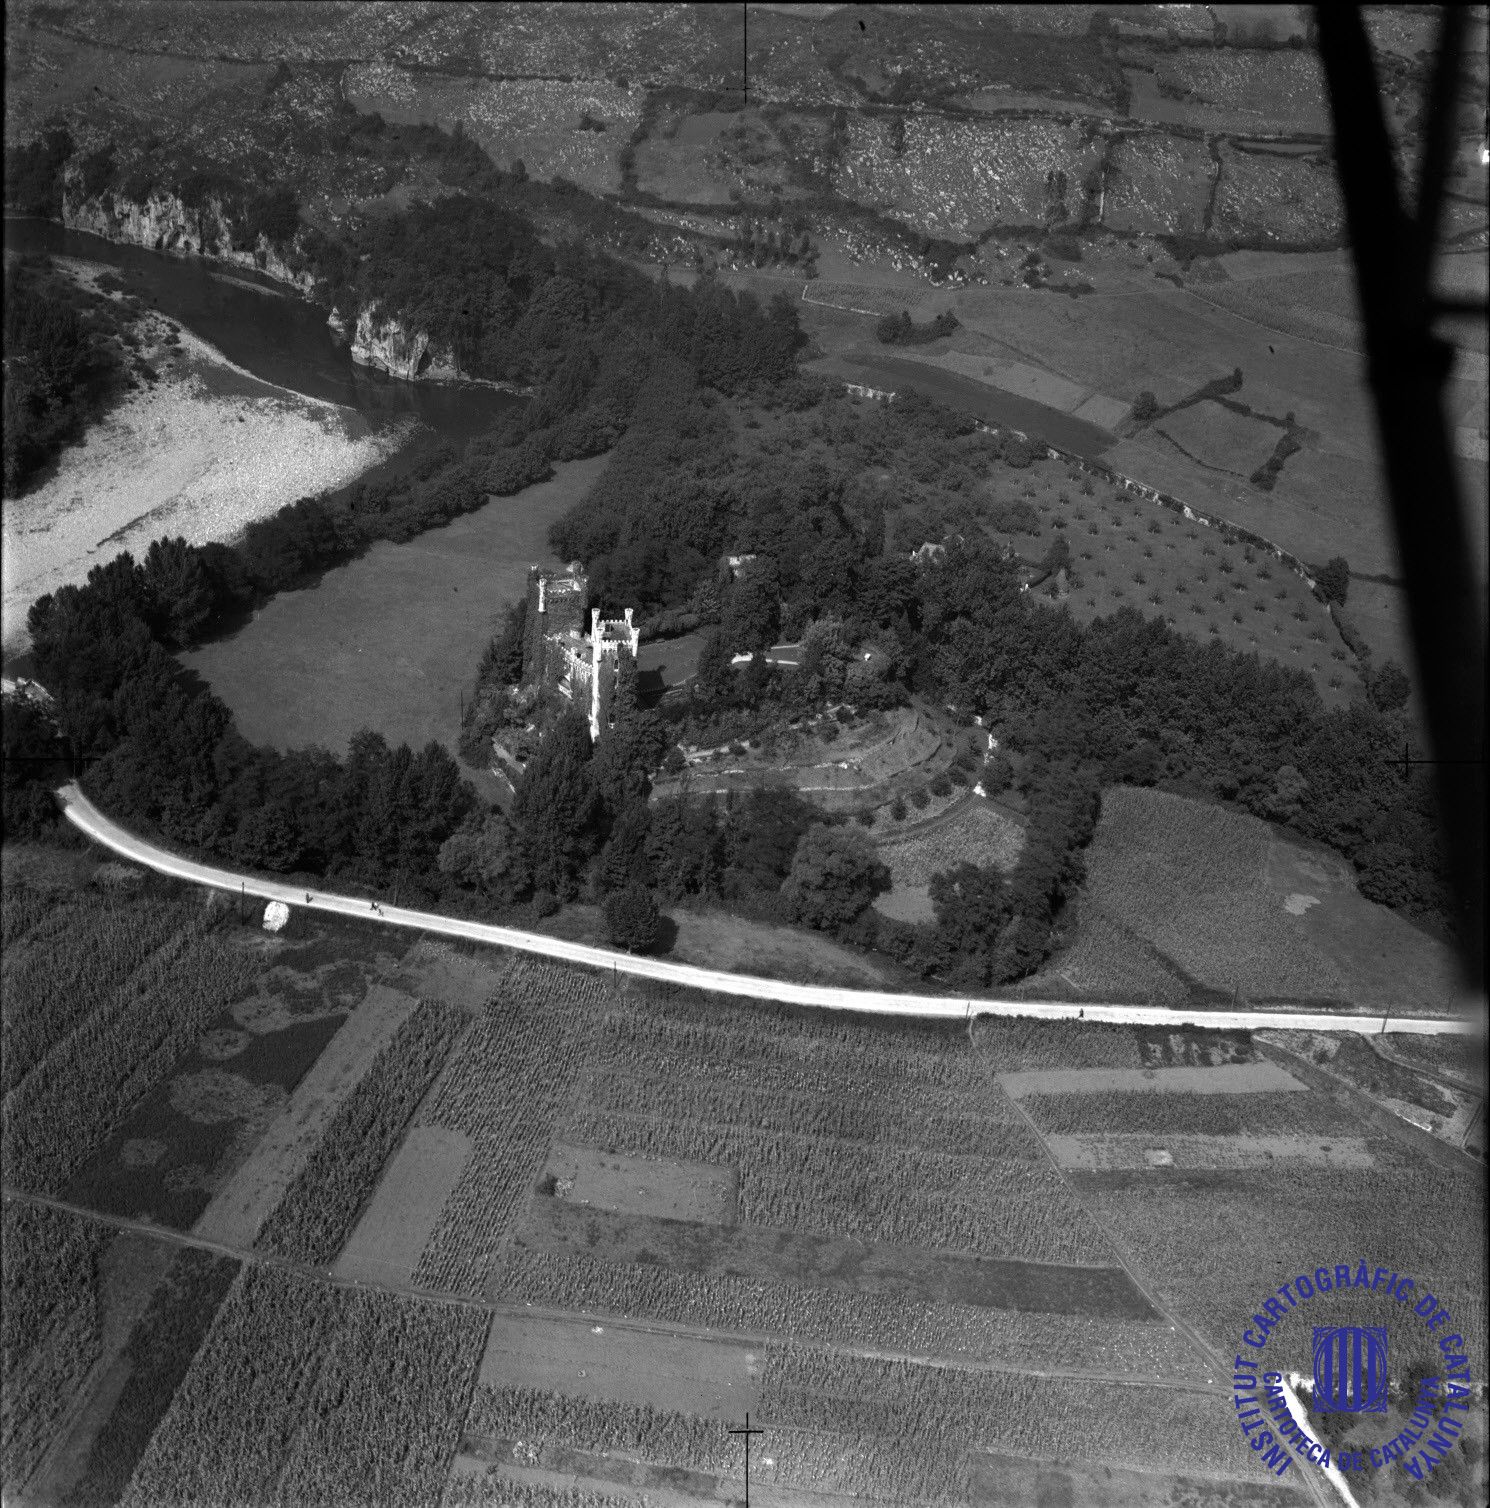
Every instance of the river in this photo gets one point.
(270, 332)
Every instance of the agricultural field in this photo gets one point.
(49, 1330)
(1128, 552)
(1278, 91)
(1232, 909)
(357, 1397)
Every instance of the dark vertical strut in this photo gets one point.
(1408, 366)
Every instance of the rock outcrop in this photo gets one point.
(385, 343)
(164, 223)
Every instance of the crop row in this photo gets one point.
(888, 1120)
(319, 1209)
(915, 1405)
(1011, 1044)
(49, 1319)
(72, 959)
(1215, 1114)
(882, 1321)
(506, 1089)
(23, 907)
(1013, 1205)
(159, 1351)
(764, 1040)
(307, 1394)
(88, 1081)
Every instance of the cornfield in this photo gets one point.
(89, 1080)
(49, 1334)
(307, 1394)
(879, 1321)
(506, 1089)
(319, 1209)
(60, 967)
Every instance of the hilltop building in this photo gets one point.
(559, 656)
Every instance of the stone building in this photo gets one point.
(559, 656)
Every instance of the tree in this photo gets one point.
(483, 855)
(835, 874)
(556, 809)
(1145, 407)
(1333, 580)
(714, 674)
(633, 920)
(179, 598)
(1389, 687)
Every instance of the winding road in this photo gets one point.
(87, 818)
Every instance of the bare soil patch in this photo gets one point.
(672, 1190)
(213, 1095)
(241, 1206)
(557, 1228)
(1229, 1078)
(388, 1239)
(711, 1379)
(1114, 1149)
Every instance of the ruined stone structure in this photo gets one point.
(558, 655)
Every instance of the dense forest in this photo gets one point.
(62, 367)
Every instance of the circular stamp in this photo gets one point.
(1356, 1372)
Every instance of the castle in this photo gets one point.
(557, 654)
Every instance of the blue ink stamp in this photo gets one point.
(1350, 1370)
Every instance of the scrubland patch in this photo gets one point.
(536, 121)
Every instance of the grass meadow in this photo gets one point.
(1184, 899)
(392, 640)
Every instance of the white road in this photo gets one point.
(84, 815)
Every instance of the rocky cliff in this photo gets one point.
(385, 343)
(164, 223)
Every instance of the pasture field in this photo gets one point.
(388, 640)
(1233, 908)
(1218, 437)
(1250, 1077)
(713, 1379)
(357, 1397)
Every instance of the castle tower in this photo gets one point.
(556, 607)
(607, 637)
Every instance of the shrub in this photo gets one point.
(919, 798)
(941, 785)
(1145, 407)
(898, 809)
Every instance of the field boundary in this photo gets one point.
(88, 819)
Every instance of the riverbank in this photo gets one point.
(200, 452)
